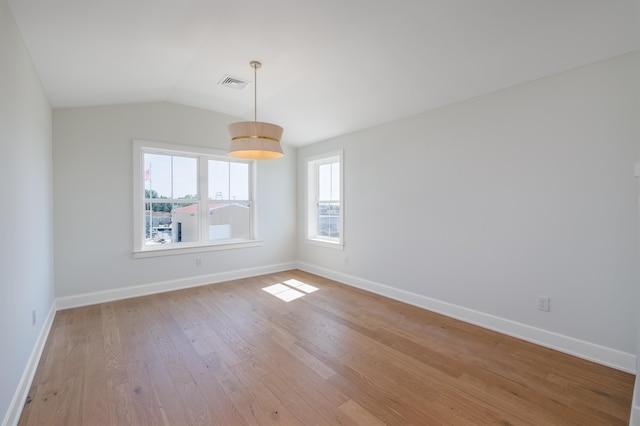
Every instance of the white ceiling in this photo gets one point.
(330, 67)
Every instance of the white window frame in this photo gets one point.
(311, 205)
(140, 147)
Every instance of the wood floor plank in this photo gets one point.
(121, 411)
(593, 400)
(68, 404)
(458, 409)
(217, 399)
(43, 406)
(289, 342)
(111, 340)
(377, 400)
(146, 409)
(166, 395)
(533, 397)
(173, 361)
(234, 354)
(95, 403)
(295, 402)
(256, 404)
(196, 406)
(227, 379)
(358, 414)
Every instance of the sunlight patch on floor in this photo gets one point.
(293, 290)
(299, 285)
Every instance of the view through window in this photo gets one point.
(192, 198)
(324, 208)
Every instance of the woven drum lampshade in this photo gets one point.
(255, 140)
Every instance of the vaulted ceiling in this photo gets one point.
(330, 67)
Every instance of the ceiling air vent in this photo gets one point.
(233, 82)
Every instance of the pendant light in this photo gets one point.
(255, 140)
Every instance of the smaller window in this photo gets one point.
(324, 195)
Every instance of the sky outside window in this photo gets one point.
(171, 176)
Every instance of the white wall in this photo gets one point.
(635, 406)
(26, 263)
(93, 198)
(485, 204)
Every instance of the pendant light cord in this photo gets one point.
(255, 92)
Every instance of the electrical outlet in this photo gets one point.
(198, 262)
(544, 303)
(33, 317)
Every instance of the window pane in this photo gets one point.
(185, 177)
(239, 181)
(171, 223)
(228, 181)
(157, 221)
(185, 223)
(157, 173)
(218, 180)
(329, 181)
(335, 181)
(324, 182)
(229, 220)
(168, 176)
(328, 219)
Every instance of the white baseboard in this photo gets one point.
(17, 403)
(634, 419)
(582, 349)
(87, 299)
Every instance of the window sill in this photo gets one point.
(172, 251)
(325, 243)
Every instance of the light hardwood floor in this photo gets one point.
(233, 354)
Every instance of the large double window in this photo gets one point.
(324, 199)
(191, 198)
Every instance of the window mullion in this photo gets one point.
(253, 202)
(203, 197)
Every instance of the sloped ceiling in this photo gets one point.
(330, 67)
